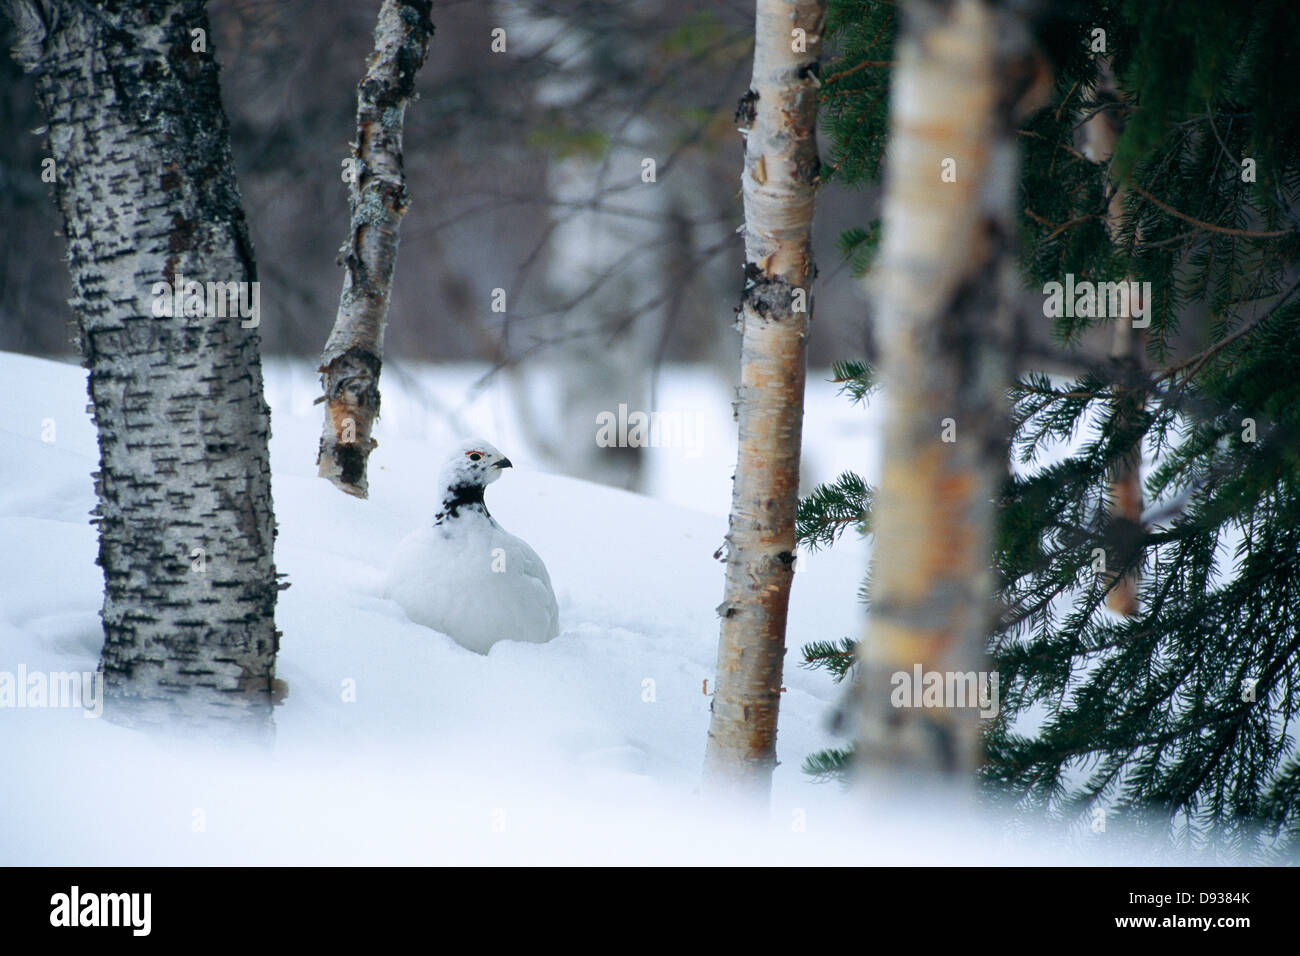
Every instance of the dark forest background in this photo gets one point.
(496, 147)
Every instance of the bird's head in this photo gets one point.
(472, 464)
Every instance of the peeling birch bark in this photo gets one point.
(779, 184)
(943, 287)
(377, 198)
(146, 186)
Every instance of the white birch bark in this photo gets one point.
(377, 197)
(146, 186)
(779, 184)
(943, 291)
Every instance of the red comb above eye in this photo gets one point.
(475, 452)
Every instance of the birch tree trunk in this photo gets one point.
(779, 183)
(146, 186)
(1100, 134)
(1126, 480)
(943, 288)
(377, 198)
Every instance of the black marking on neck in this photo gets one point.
(466, 496)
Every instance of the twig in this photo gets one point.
(1226, 230)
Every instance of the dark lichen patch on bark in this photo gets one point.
(747, 109)
(353, 379)
(808, 168)
(351, 461)
(768, 297)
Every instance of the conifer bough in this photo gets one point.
(778, 116)
(353, 354)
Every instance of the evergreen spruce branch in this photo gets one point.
(831, 509)
(1068, 224)
(857, 380)
(858, 247)
(854, 104)
(1280, 803)
(829, 764)
(860, 65)
(838, 657)
(1056, 736)
(1196, 362)
(1180, 398)
(1210, 227)
(1153, 684)
(1041, 753)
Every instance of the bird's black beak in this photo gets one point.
(504, 463)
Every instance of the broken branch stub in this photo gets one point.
(377, 199)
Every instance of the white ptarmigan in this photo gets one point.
(464, 574)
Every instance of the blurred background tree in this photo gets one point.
(525, 170)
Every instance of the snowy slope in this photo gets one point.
(557, 752)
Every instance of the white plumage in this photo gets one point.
(464, 574)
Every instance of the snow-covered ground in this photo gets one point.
(395, 745)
